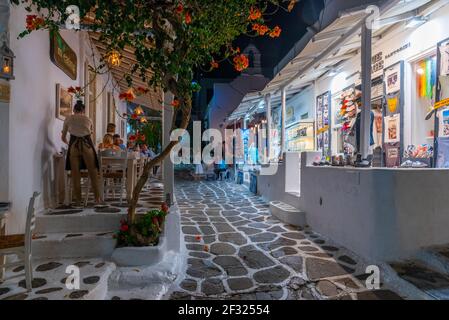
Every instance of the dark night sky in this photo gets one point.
(293, 26)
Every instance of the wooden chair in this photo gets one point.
(113, 173)
(20, 245)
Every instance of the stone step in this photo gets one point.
(432, 283)
(50, 277)
(84, 221)
(288, 214)
(73, 245)
(436, 258)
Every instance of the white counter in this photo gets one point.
(379, 213)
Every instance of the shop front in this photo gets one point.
(279, 148)
(375, 182)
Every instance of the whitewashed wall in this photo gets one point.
(34, 130)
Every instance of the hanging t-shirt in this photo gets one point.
(444, 54)
(392, 128)
(392, 155)
(392, 104)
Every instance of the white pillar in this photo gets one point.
(365, 125)
(284, 114)
(268, 105)
(167, 166)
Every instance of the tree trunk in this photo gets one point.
(187, 106)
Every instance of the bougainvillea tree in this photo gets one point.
(170, 38)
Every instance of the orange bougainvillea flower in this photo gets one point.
(188, 18)
(276, 32)
(241, 62)
(175, 103)
(256, 27)
(255, 14)
(127, 96)
(214, 64)
(263, 30)
(142, 90)
(134, 116)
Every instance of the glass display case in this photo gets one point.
(301, 137)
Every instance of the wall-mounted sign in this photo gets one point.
(290, 116)
(62, 55)
(397, 51)
(377, 62)
(5, 92)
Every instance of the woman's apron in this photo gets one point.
(76, 141)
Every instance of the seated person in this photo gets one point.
(220, 167)
(147, 152)
(108, 143)
(119, 142)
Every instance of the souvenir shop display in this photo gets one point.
(349, 108)
(443, 154)
(323, 130)
(418, 156)
(392, 155)
(442, 113)
(393, 115)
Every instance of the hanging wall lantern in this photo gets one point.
(114, 58)
(7, 62)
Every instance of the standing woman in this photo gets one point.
(81, 154)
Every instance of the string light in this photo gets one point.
(138, 111)
(114, 58)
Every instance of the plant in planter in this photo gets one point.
(145, 231)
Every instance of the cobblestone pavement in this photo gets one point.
(236, 250)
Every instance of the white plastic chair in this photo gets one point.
(20, 245)
(113, 173)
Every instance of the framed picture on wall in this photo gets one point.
(122, 129)
(64, 102)
(111, 108)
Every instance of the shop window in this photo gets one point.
(423, 99)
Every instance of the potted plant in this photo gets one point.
(142, 242)
(145, 231)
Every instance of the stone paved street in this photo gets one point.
(236, 250)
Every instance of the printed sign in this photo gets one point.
(5, 92)
(62, 55)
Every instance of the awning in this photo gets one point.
(328, 49)
(152, 100)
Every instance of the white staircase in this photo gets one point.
(87, 234)
(288, 214)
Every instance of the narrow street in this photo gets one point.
(236, 250)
